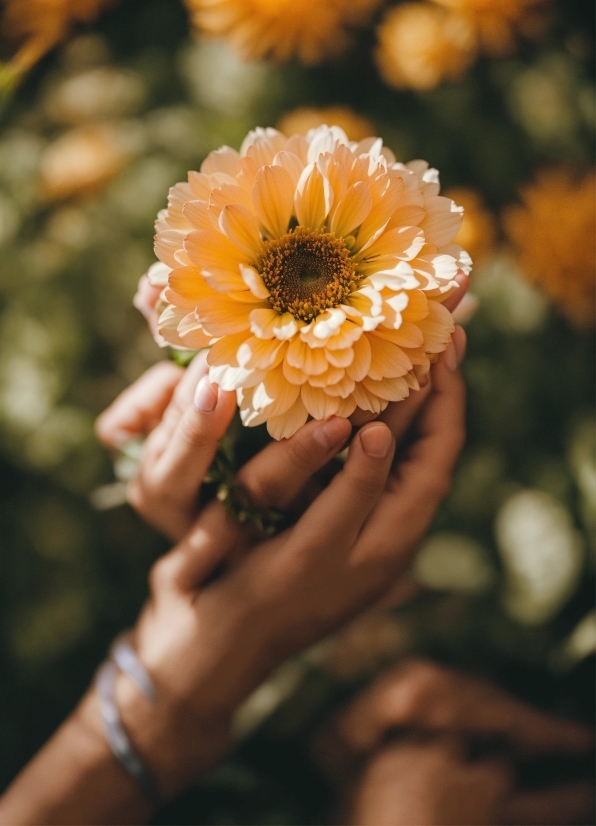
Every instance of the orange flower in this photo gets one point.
(478, 232)
(495, 22)
(42, 24)
(302, 120)
(83, 159)
(314, 268)
(553, 232)
(310, 30)
(421, 45)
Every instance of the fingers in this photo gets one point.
(422, 478)
(399, 416)
(427, 696)
(179, 450)
(197, 556)
(454, 299)
(336, 517)
(572, 803)
(139, 409)
(273, 478)
(279, 473)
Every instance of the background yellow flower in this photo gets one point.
(310, 30)
(496, 22)
(553, 233)
(300, 121)
(478, 232)
(42, 24)
(420, 45)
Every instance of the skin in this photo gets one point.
(400, 754)
(181, 441)
(208, 642)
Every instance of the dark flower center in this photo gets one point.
(307, 272)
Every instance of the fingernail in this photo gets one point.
(206, 395)
(460, 342)
(450, 357)
(332, 432)
(376, 441)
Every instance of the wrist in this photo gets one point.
(75, 779)
(176, 743)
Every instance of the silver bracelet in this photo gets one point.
(124, 658)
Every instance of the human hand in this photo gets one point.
(183, 416)
(426, 776)
(207, 642)
(182, 441)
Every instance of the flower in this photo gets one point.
(282, 29)
(553, 232)
(42, 25)
(478, 232)
(420, 45)
(314, 268)
(495, 22)
(302, 120)
(84, 159)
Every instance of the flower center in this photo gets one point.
(307, 272)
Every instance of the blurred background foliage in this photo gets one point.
(103, 110)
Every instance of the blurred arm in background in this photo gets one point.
(426, 745)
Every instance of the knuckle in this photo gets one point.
(367, 484)
(160, 575)
(191, 430)
(302, 455)
(422, 680)
(136, 497)
(263, 490)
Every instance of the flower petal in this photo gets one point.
(318, 403)
(313, 198)
(273, 199)
(254, 282)
(311, 361)
(392, 390)
(408, 335)
(167, 244)
(366, 400)
(437, 328)
(255, 353)
(275, 394)
(197, 214)
(331, 376)
(443, 220)
(352, 210)
(224, 352)
(190, 284)
(387, 359)
(360, 365)
(222, 316)
(241, 228)
(224, 160)
(282, 427)
(218, 258)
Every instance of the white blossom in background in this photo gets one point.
(513, 305)
(542, 554)
(454, 562)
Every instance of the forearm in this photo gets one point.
(74, 779)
